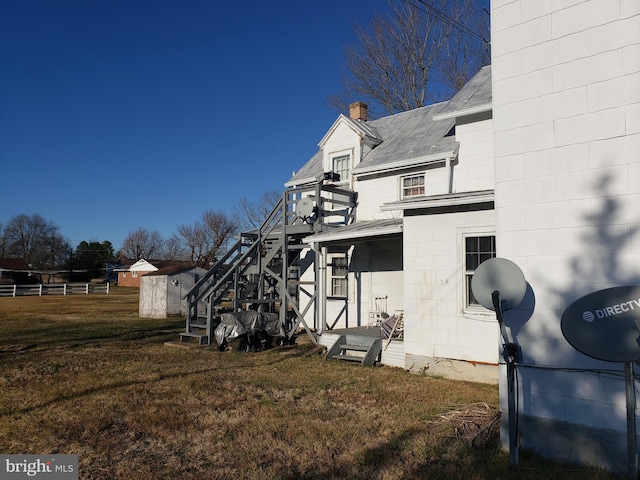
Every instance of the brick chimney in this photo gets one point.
(358, 111)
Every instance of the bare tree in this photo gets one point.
(208, 237)
(142, 243)
(175, 248)
(422, 52)
(251, 214)
(35, 239)
(3, 242)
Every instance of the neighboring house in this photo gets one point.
(424, 221)
(130, 276)
(16, 271)
(162, 292)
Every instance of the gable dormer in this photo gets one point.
(344, 145)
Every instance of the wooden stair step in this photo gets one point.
(358, 348)
(348, 358)
(197, 325)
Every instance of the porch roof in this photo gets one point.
(444, 200)
(365, 230)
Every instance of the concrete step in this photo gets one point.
(202, 339)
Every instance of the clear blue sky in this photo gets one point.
(119, 114)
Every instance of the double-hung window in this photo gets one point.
(477, 249)
(412, 185)
(341, 166)
(339, 275)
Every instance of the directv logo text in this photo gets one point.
(612, 310)
(51, 467)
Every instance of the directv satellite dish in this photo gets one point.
(306, 210)
(604, 324)
(502, 276)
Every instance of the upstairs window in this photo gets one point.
(341, 166)
(412, 185)
(476, 250)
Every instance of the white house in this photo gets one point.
(535, 160)
(424, 221)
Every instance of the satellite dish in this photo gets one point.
(499, 285)
(604, 324)
(502, 276)
(305, 209)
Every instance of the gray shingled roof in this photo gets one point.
(363, 229)
(311, 170)
(410, 135)
(476, 93)
(413, 134)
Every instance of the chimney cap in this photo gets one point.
(358, 111)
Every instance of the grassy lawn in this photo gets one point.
(84, 375)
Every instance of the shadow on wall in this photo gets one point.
(560, 384)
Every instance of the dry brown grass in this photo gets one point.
(84, 375)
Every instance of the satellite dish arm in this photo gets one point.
(512, 352)
(495, 296)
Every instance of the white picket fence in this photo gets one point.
(53, 289)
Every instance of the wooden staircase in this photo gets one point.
(362, 349)
(261, 270)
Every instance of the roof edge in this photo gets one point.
(403, 164)
(485, 107)
(464, 198)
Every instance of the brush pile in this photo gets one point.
(477, 424)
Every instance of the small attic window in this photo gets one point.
(341, 166)
(412, 185)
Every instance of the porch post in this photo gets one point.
(323, 288)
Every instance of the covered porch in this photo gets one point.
(358, 264)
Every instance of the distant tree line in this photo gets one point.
(41, 244)
(206, 240)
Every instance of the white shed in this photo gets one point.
(162, 293)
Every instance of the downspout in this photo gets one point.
(449, 170)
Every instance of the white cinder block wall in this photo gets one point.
(566, 107)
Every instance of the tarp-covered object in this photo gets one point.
(233, 325)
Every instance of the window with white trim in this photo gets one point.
(339, 275)
(412, 185)
(134, 274)
(477, 249)
(341, 166)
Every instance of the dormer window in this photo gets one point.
(341, 166)
(412, 185)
